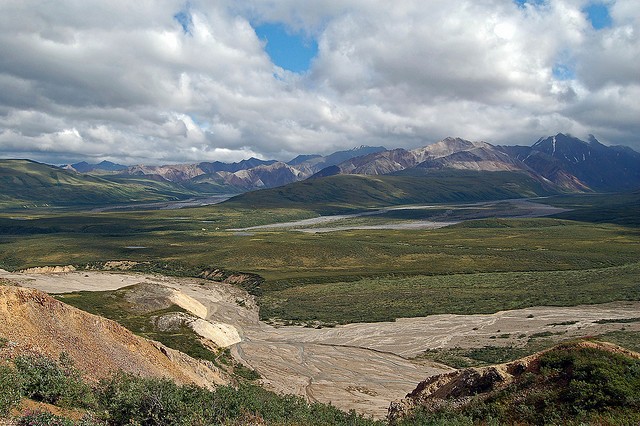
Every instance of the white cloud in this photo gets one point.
(122, 80)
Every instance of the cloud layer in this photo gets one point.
(168, 81)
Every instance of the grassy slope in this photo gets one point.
(622, 208)
(350, 192)
(24, 182)
(571, 384)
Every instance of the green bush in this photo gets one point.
(56, 383)
(575, 385)
(133, 400)
(128, 399)
(595, 380)
(43, 419)
(10, 389)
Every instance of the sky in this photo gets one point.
(174, 81)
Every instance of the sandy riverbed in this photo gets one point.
(357, 366)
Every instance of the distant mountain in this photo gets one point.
(264, 176)
(245, 175)
(561, 161)
(317, 163)
(84, 167)
(172, 173)
(576, 164)
(565, 161)
(28, 183)
(218, 166)
(450, 153)
(302, 158)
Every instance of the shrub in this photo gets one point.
(47, 381)
(10, 389)
(130, 399)
(43, 419)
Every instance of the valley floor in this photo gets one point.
(440, 215)
(359, 366)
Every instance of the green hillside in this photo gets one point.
(32, 184)
(576, 383)
(621, 208)
(348, 192)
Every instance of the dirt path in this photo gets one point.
(358, 366)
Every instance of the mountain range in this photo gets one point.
(242, 176)
(562, 161)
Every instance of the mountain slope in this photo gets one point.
(577, 164)
(347, 192)
(450, 153)
(24, 182)
(218, 166)
(568, 162)
(35, 322)
(313, 164)
(103, 166)
(248, 174)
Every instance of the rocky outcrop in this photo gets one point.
(455, 388)
(49, 269)
(458, 388)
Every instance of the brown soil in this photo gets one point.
(35, 323)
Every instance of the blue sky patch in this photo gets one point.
(563, 72)
(521, 3)
(598, 15)
(291, 51)
(184, 19)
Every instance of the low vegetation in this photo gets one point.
(388, 298)
(620, 209)
(310, 277)
(124, 399)
(342, 193)
(571, 384)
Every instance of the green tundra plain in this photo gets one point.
(477, 266)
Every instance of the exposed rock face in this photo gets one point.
(220, 334)
(174, 173)
(49, 269)
(458, 386)
(151, 297)
(34, 322)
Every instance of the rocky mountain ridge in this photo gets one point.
(561, 160)
(571, 162)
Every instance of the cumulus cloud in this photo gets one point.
(173, 81)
